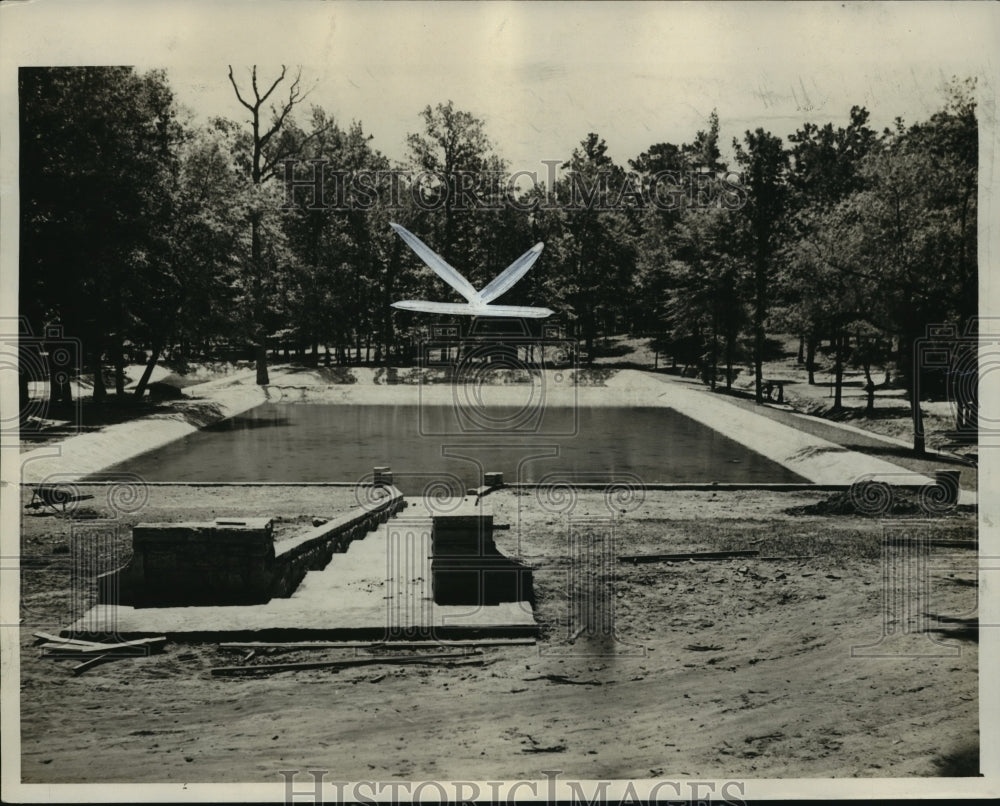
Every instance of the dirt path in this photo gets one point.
(714, 669)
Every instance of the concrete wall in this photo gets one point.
(233, 561)
(468, 569)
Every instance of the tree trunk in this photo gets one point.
(715, 351)
(154, 356)
(911, 372)
(60, 392)
(918, 424)
(119, 368)
(730, 350)
(760, 309)
(811, 345)
(23, 388)
(802, 347)
(589, 326)
(65, 391)
(869, 389)
(838, 372)
(256, 259)
(97, 366)
(55, 394)
(260, 357)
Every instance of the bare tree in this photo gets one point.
(267, 151)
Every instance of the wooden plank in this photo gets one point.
(694, 555)
(482, 642)
(453, 658)
(92, 662)
(151, 643)
(120, 652)
(92, 647)
(562, 678)
(47, 636)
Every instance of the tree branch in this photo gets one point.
(239, 97)
(277, 81)
(268, 168)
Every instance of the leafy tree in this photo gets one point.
(98, 157)
(454, 154)
(597, 237)
(897, 251)
(692, 281)
(824, 169)
(764, 161)
(188, 278)
(917, 230)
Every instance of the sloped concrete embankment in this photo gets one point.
(86, 454)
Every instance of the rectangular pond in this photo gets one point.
(324, 443)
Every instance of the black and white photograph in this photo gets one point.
(477, 401)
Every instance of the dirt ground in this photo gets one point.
(891, 418)
(720, 668)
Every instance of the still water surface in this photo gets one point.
(316, 442)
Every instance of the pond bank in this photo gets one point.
(810, 456)
(89, 453)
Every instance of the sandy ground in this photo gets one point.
(713, 669)
(724, 668)
(891, 418)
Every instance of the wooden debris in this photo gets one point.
(123, 647)
(694, 555)
(47, 636)
(765, 736)
(296, 645)
(93, 662)
(444, 659)
(561, 678)
(128, 652)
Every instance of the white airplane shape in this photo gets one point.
(478, 301)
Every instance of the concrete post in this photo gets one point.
(493, 479)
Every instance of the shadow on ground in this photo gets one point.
(961, 629)
(960, 763)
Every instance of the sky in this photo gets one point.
(543, 75)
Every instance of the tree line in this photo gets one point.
(146, 234)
